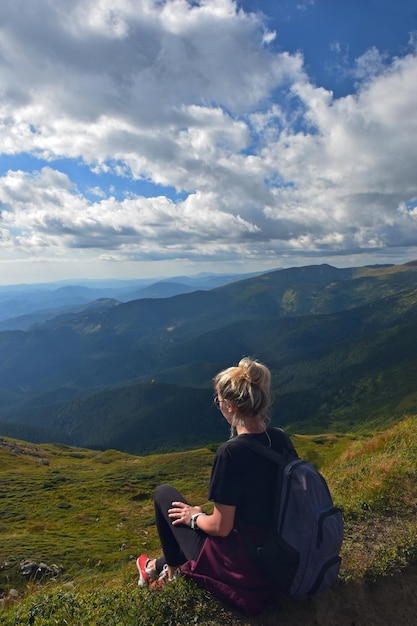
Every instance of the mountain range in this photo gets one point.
(136, 375)
(21, 306)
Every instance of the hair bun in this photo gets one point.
(254, 372)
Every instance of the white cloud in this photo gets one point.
(354, 169)
(195, 97)
(370, 64)
(48, 212)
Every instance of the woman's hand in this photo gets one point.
(181, 513)
(219, 523)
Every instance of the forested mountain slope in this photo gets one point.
(341, 345)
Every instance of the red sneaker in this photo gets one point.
(145, 575)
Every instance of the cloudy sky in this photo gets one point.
(147, 138)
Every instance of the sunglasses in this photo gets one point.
(217, 401)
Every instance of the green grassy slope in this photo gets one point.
(91, 513)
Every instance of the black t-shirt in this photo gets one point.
(243, 478)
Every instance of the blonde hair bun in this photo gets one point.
(255, 372)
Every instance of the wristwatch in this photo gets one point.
(193, 520)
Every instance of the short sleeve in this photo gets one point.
(226, 476)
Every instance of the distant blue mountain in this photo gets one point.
(23, 305)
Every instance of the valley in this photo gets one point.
(136, 376)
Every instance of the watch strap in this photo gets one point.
(194, 518)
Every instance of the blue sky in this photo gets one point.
(156, 138)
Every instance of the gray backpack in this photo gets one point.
(300, 554)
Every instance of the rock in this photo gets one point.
(38, 571)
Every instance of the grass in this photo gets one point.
(91, 513)
(113, 605)
(86, 510)
(375, 482)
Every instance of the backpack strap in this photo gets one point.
(281, 459)
(271, 454)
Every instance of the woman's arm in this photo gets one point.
(219, 523)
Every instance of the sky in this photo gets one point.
(156, 138)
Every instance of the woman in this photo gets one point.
(215, 550)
